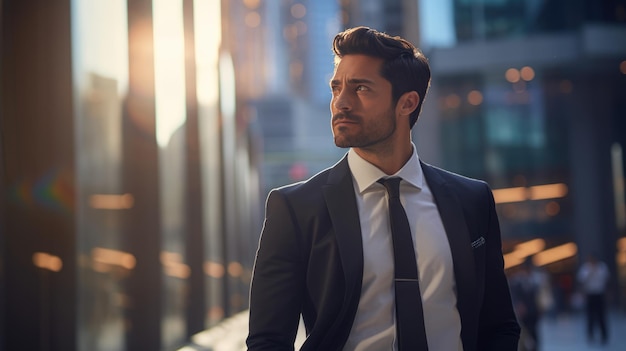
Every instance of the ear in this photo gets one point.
(407, 103)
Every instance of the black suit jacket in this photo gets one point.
(310, 262)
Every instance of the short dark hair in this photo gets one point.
(404, 65)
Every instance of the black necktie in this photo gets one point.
(410, 329)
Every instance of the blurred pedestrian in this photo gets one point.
(340, 250)
(526, 287)
(593, 277)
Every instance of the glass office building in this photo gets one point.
(530, 96)
(130, 194)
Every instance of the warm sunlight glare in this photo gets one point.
(169, 68)
(509, 195)
(523, 250)
(547, 191)
(555, 254)
(214, 269)
(537, 192)
(47, 261)
(529, 248)
(111, 257)
(174, 266)
(208, 32)
(111, 201)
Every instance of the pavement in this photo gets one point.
(560, 333)
(569, 333)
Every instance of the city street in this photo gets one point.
(568, 333)
(561, 333)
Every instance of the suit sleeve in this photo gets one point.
(498, 329)
(278, 280)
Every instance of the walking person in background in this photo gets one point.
(381, 251)
(526, 286)
(593, 277)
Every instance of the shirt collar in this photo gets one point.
(365, 174)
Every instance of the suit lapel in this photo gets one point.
(458, 235)
(344, 215)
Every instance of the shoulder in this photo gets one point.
(302, 188)
(315, 184)
(436, 175)
(302, 201)
(305, 194)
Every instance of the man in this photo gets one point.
(594, 276)
(525, 287)
(325, 251)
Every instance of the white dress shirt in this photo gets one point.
(594, 277)
(374, 325)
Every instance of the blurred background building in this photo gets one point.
(139, 139)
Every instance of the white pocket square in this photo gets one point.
(478, 242)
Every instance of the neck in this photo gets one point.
(388, 159)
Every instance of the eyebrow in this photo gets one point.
(353, 81)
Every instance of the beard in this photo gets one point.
(363, 133)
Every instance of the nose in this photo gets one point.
(341, 101)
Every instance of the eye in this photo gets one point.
(362, 88)
(334, 89)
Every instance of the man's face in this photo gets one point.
(363, 114)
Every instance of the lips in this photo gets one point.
(343, 122)
(343, 119)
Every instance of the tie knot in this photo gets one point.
(392, 185)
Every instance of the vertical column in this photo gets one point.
(227, 146)
(208, 39)
(196, 304)
(589, 139)
(38, 155)
(141, 179)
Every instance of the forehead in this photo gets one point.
(358, 66)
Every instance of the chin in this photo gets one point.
(342, 143)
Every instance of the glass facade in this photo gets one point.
(495, 129)
(528, 99)
(493, 19)
(100, 76)
(137, 226)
